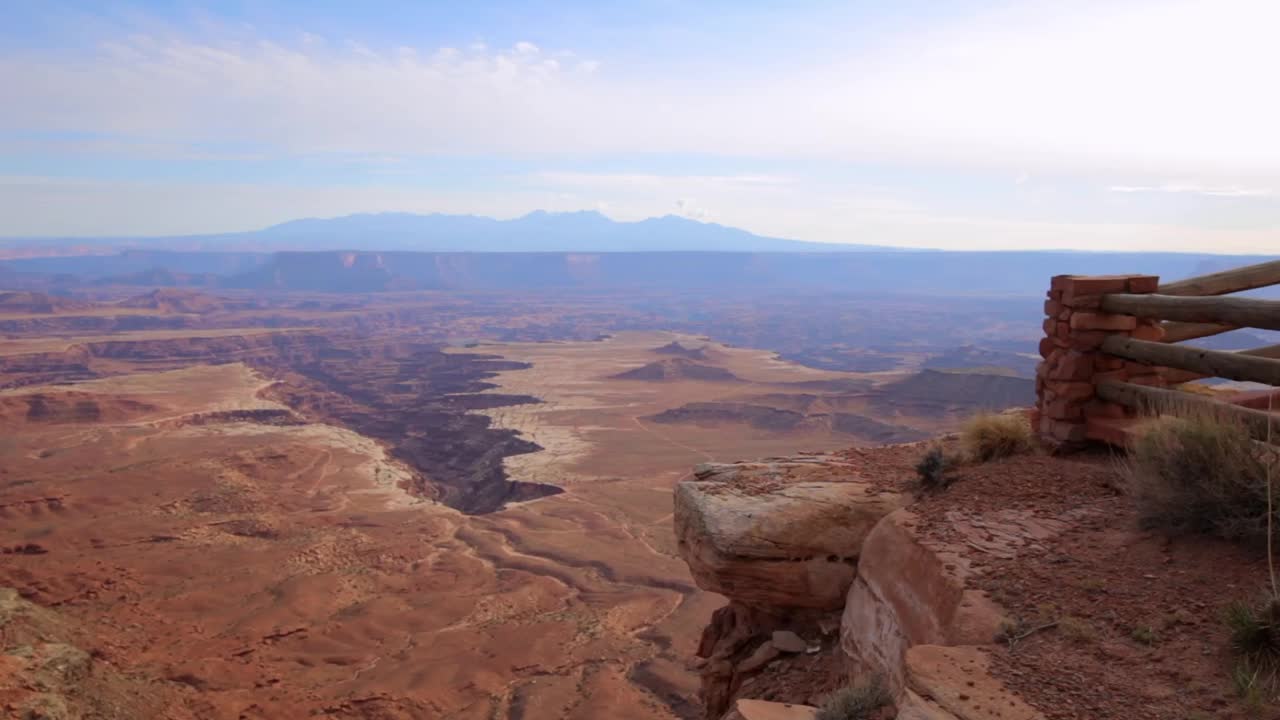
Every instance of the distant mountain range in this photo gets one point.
(539, 231)
(541, 250)
(870, 273)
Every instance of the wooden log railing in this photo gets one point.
(1177, 377)
(1208, 363)
(1111, 351)
(1240, 312)
(1249, 277)
(1179, 331)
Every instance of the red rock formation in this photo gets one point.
(780, 539)
(774, 537)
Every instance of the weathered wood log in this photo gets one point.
(1243, 312)
(1228, 281)
(1177, 377)
(1214, 363)
(1262, 425)
(1179, 331)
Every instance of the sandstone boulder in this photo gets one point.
(765, 710)
(763, 655)
(910, 591)
(954, 682)
(789, 642)
(782, 533)
(913, 587)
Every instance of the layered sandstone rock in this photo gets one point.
(954, 683)
(781, 539)
(764, 710)
(783, 533)
(913, 618)
(910, 592)
(759, 533)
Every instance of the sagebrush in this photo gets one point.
(932, 470)
(856, 702)
(990, 436)
(1201, 473)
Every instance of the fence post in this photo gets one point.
(1074, 329)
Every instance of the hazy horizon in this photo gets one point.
(532, 242)
(975, 125)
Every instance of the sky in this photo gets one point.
(1115, 125)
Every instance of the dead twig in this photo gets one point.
(1015, 633)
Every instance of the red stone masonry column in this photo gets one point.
(1074, 328)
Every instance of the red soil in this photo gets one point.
(1140, 632)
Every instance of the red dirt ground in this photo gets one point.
(1140, 633)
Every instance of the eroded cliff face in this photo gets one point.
(826, 548)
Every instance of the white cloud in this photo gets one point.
(673, 183)
(1187, 189)
(303, 99)
(1095, 90)
(1174, 85)
(688, 207)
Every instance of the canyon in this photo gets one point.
(229, 506)
(551, 505)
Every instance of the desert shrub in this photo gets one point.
(1201, 473)
(1255, 644)
(989, 436)
(931, 471)
(1145, 635)
(1077, 630)
(856, 702)
(1014, 630)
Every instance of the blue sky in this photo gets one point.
(1126, 124)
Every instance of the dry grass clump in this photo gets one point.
(1145, 635)
(856, 702)
(1201, 473)
(990, 436)
(1255, 643)
(1077, 630)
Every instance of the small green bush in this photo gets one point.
(991, 436)
(1201, 474)
(856, 702)
(932, 469)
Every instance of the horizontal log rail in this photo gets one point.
(1180, 331)
(1262, 425)
(1243, 312)
(1213, 363)
(1224, 283)
(1219, 283)
(1177, 377)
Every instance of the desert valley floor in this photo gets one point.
(258, 522)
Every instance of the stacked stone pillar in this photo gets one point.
(1074, 328)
